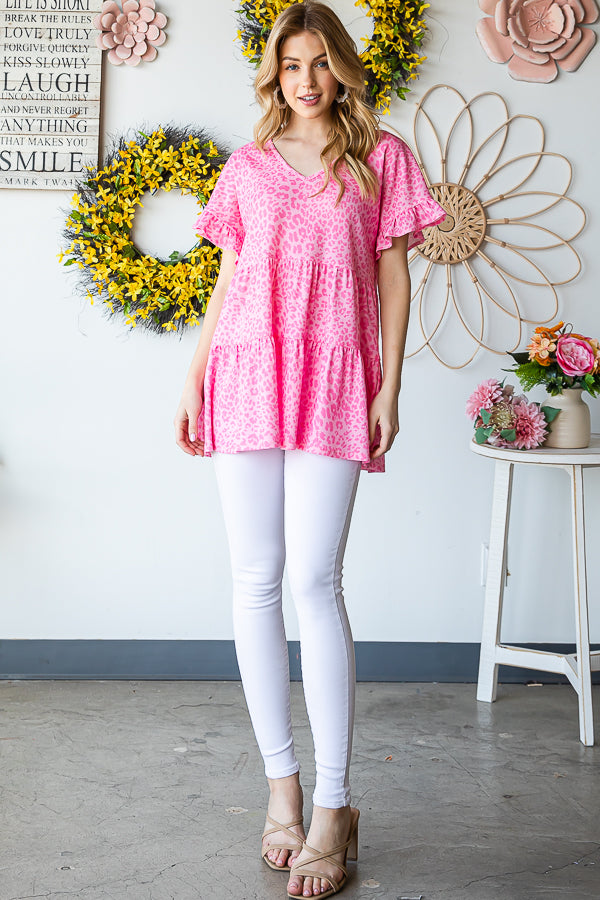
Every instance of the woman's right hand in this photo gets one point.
(186, 421)
(192, 399)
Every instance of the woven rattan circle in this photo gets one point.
(461, 233)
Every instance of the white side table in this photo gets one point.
(576, 666)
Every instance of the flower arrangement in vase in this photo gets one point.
(566, 364)
(504, 419)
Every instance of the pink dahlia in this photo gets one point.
(574, 356)
(483, 397)
(530, 426)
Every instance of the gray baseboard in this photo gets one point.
(216, 661)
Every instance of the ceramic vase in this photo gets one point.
(571, 429)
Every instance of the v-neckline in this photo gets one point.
(288, 166)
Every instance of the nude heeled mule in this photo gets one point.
(306, 867)
(296, 842)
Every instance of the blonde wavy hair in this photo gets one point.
(355, 129)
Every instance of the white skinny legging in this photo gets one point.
(279, 503)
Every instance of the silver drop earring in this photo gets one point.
(343, 97)
(276, 98)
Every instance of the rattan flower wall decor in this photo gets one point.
(537, 37)
(496, 260)
(391, 55)
(131, 33)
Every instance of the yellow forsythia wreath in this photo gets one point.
(391, 56)
(159, 294)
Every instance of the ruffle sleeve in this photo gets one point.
(406, 203)
(220, 221)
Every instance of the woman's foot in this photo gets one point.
(328, 828)
(285, 805)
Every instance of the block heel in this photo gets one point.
(353, 845)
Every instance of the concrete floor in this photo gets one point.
(156, 791)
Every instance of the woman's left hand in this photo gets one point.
(383, 412)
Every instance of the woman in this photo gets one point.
(285, 392)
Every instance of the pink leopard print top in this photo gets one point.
(294, 360)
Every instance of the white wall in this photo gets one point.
(107, 530)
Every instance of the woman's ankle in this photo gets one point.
(286, 793)
(323, 816)
(285, 784)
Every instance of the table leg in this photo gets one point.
(582, 635)
(487, 681)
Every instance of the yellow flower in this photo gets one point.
(140, 283)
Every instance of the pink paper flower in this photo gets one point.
(530, 426)
(574, 356)
(483, 397)
(533, 36)
(130, 34)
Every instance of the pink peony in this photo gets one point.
(483, 397)
(530, 426)
(574, 356)
(536, 36)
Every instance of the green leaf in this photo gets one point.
(594, 390)
(70, 262)
(94, 237)
(550, 413)
(555, 387)
(488, 431)
(485, 416)
(531, 373)
(520, 357)
(480, 436)
(509, 434)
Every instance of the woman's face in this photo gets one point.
(307, 82)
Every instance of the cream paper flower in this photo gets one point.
(494, 263)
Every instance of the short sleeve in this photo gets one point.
(220, 221)
(406, 203)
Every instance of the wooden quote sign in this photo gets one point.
(50, 72)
